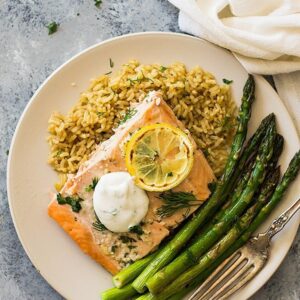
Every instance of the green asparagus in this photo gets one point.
(124, 293)
(246, 162)
(288, 178)
(190, 256)
(227, 241)
(168, 252)
(132, 271)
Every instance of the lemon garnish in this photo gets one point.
(159, 156)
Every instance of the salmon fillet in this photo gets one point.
(116, 250)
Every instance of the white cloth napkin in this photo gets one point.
(264, 35)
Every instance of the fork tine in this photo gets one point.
(247, 276)
(228, 286)
(217, 276)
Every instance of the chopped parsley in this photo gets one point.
(130, 247)
(52, 27)
(227, 81)
(92, 186)
(136, 229)
(74, 202)
(108, 73)
(7, 152)
(126, 239)
(113, 248)
(162, 68)
(129, 114)
(111, 63)
(170, 174)
(98, 3)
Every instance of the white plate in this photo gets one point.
(73, 274)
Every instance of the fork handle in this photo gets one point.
(282, 220)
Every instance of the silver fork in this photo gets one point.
(244, 264)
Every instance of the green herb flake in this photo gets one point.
(52, 27)
(130, 247)
(111, 63)
(74, 201)
(126, 239)
(170, 174)
(7, 151)
(113, 248)
(137, 229)
(92, 186)
(98, 3)
(108, 73)
(129, 114)
(227, 81)
(162, 69)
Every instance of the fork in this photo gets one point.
(244, 264)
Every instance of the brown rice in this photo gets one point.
(204, 106)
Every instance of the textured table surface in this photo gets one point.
(27, 57)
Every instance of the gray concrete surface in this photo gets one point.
(27, 56)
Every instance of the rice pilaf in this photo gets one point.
(205, 108)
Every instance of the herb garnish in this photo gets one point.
(162, 68)
(174, 201)
(113, 248)
(129, 114)
(136, 229)
(130, 247)
(170, 174)
(52, 27)
(92, 186)
(98, 225)
(126, 239)
(98, 2)
(7, 152)
(108, 73)
(74, 201)
(227, 81)
(111, 63)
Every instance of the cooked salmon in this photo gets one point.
(116, 250)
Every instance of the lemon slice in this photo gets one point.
(159, 156)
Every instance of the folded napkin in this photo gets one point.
(264, 35)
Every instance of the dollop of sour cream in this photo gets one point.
(118, 202)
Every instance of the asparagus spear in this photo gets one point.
(251, 148)
(125, 293)
(132, 271)
(278, 147)
(168, 252)
(287, 179)
(190, 256)
(234, 233)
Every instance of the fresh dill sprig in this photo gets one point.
(129, 114)
(173, 201)
(98, 225)
(92, 186)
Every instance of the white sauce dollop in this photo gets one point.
(118, 202)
